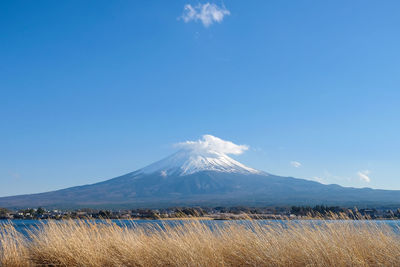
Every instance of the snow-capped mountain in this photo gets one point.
(202, 173)
(186, 162)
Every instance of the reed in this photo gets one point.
(194, 243)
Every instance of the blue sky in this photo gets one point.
(94, 89)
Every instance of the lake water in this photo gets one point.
(24, 226)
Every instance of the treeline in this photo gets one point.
(352, 213)
(318, 210)
(294, 212)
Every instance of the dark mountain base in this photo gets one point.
(207, 188)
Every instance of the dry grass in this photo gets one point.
(193, 243)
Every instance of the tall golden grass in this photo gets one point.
(194, 243)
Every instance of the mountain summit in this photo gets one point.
(207, 154)
(186, 162)
(202, 173)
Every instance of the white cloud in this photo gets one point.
(295, 164)
(206, 13)
(163, 173)
(364, 176)
(212, 144)
(319, 179)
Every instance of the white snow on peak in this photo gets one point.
(185, 162)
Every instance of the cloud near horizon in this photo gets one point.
(206, 13)
(319, 180)
(364, 176)
(295, 164)
(211, 144)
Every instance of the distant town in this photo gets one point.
(216, 213)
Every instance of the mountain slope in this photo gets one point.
(202, 178)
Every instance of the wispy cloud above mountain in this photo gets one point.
(295, 164)
(212, 144)
(364, 176)
(205, 13)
